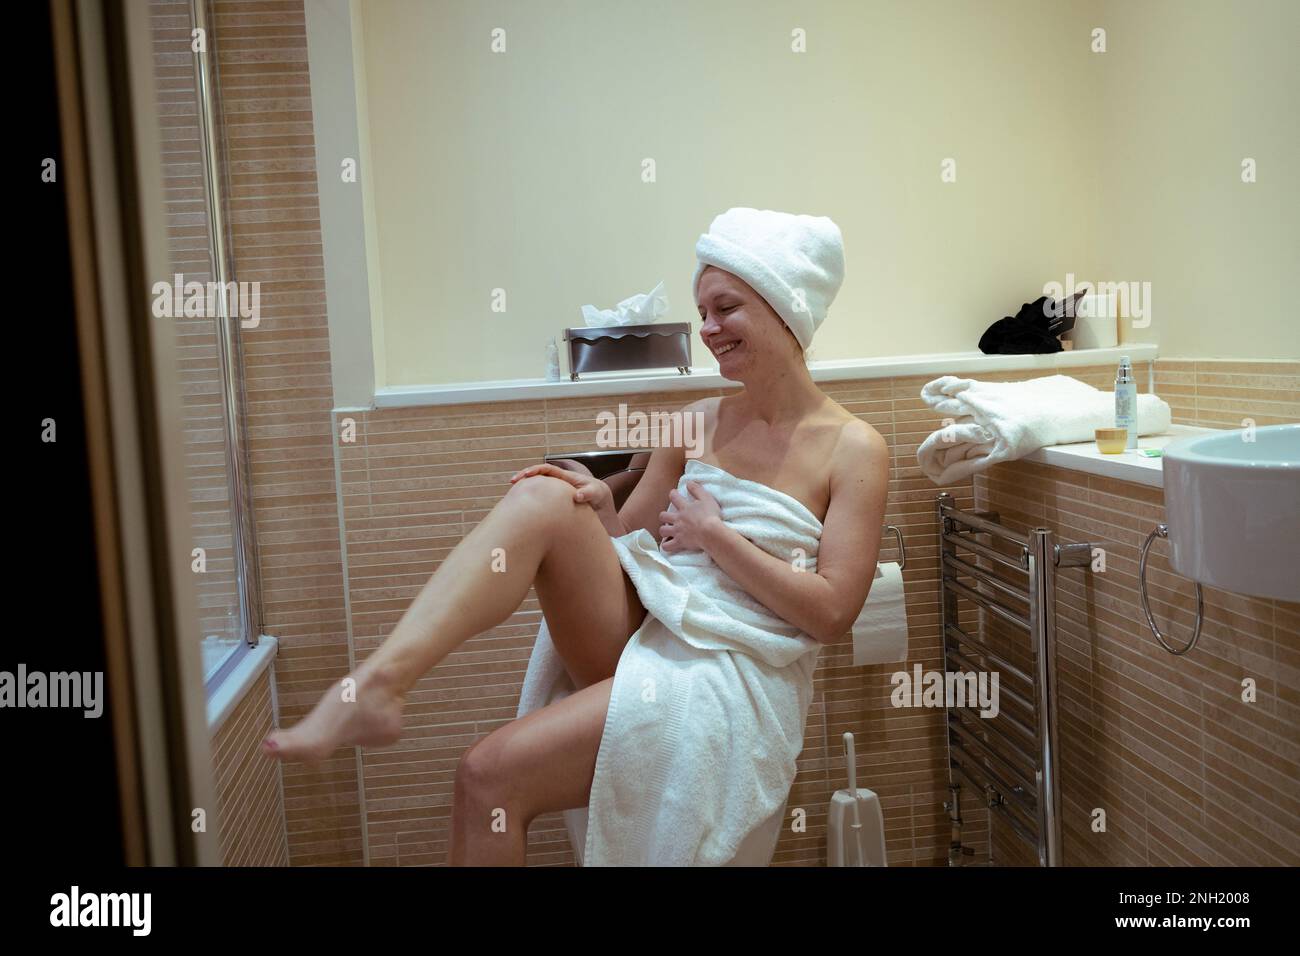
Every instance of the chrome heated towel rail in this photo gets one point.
(1011, 758)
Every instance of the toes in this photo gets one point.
(282, 746)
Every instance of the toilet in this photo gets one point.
(756, 849)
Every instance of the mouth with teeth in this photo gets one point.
(723, 350)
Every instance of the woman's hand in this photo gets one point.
(692, 524)
(587, 489)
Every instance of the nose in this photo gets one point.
(710, 327)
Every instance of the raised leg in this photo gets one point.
(541, 762)
(537, 532)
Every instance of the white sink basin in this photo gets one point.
(1233, 510)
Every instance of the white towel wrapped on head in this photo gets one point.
(1003, 421)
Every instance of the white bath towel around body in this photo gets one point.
(1003, 421)
(710, 696)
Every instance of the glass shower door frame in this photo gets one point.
(234, 405)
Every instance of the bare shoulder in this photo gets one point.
(708, 405)
(861, 453)
(703, 411)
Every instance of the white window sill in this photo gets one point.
(631, 383)
(236, 684)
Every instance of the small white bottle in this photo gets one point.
(1126, 400)
(552, 361)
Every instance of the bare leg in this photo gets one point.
(546, 760)
(479, 585)
(541, 762)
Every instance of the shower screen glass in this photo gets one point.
(208, 364)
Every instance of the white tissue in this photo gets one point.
(880, 632)
(639, 309)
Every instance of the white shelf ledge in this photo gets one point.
(236, 684)
(1127, 466)
(634, 383)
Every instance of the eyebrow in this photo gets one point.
(718, 295)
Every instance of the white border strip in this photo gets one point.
(232, 690)
(1127, 466)
(622, 383)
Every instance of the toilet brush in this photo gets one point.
(853, 789)
(855, 822)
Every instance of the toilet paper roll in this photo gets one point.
(880, 632)
(1096, 323)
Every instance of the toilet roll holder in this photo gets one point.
(902, 548)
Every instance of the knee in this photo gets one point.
(487, 791)
(542, 493)
(482, 776)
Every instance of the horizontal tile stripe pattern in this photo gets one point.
(1184, 770)
(274, 222)
(249, 804)
(1225, 393)
(249, 814)
(416, 480)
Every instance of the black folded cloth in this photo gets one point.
(1032, 330)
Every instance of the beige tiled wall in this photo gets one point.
(416, 480)
(1223, 393)
(1186, 772)
(341, 559)
(250, 808)
(261, 50)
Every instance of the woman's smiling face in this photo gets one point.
(740, 328)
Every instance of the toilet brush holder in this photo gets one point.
(855, 824)
(847, 847)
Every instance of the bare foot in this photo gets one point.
(363, 709)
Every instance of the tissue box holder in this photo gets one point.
(618, 348)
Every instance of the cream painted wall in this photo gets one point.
(1190, 89)
(522, 170)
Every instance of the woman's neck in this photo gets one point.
(786, 396)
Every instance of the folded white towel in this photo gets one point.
(1003, 421)
(710, 697)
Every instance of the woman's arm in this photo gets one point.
(825, 603)
(650, 496)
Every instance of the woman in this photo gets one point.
(763, 284)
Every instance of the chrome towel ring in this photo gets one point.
(1163, 531)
